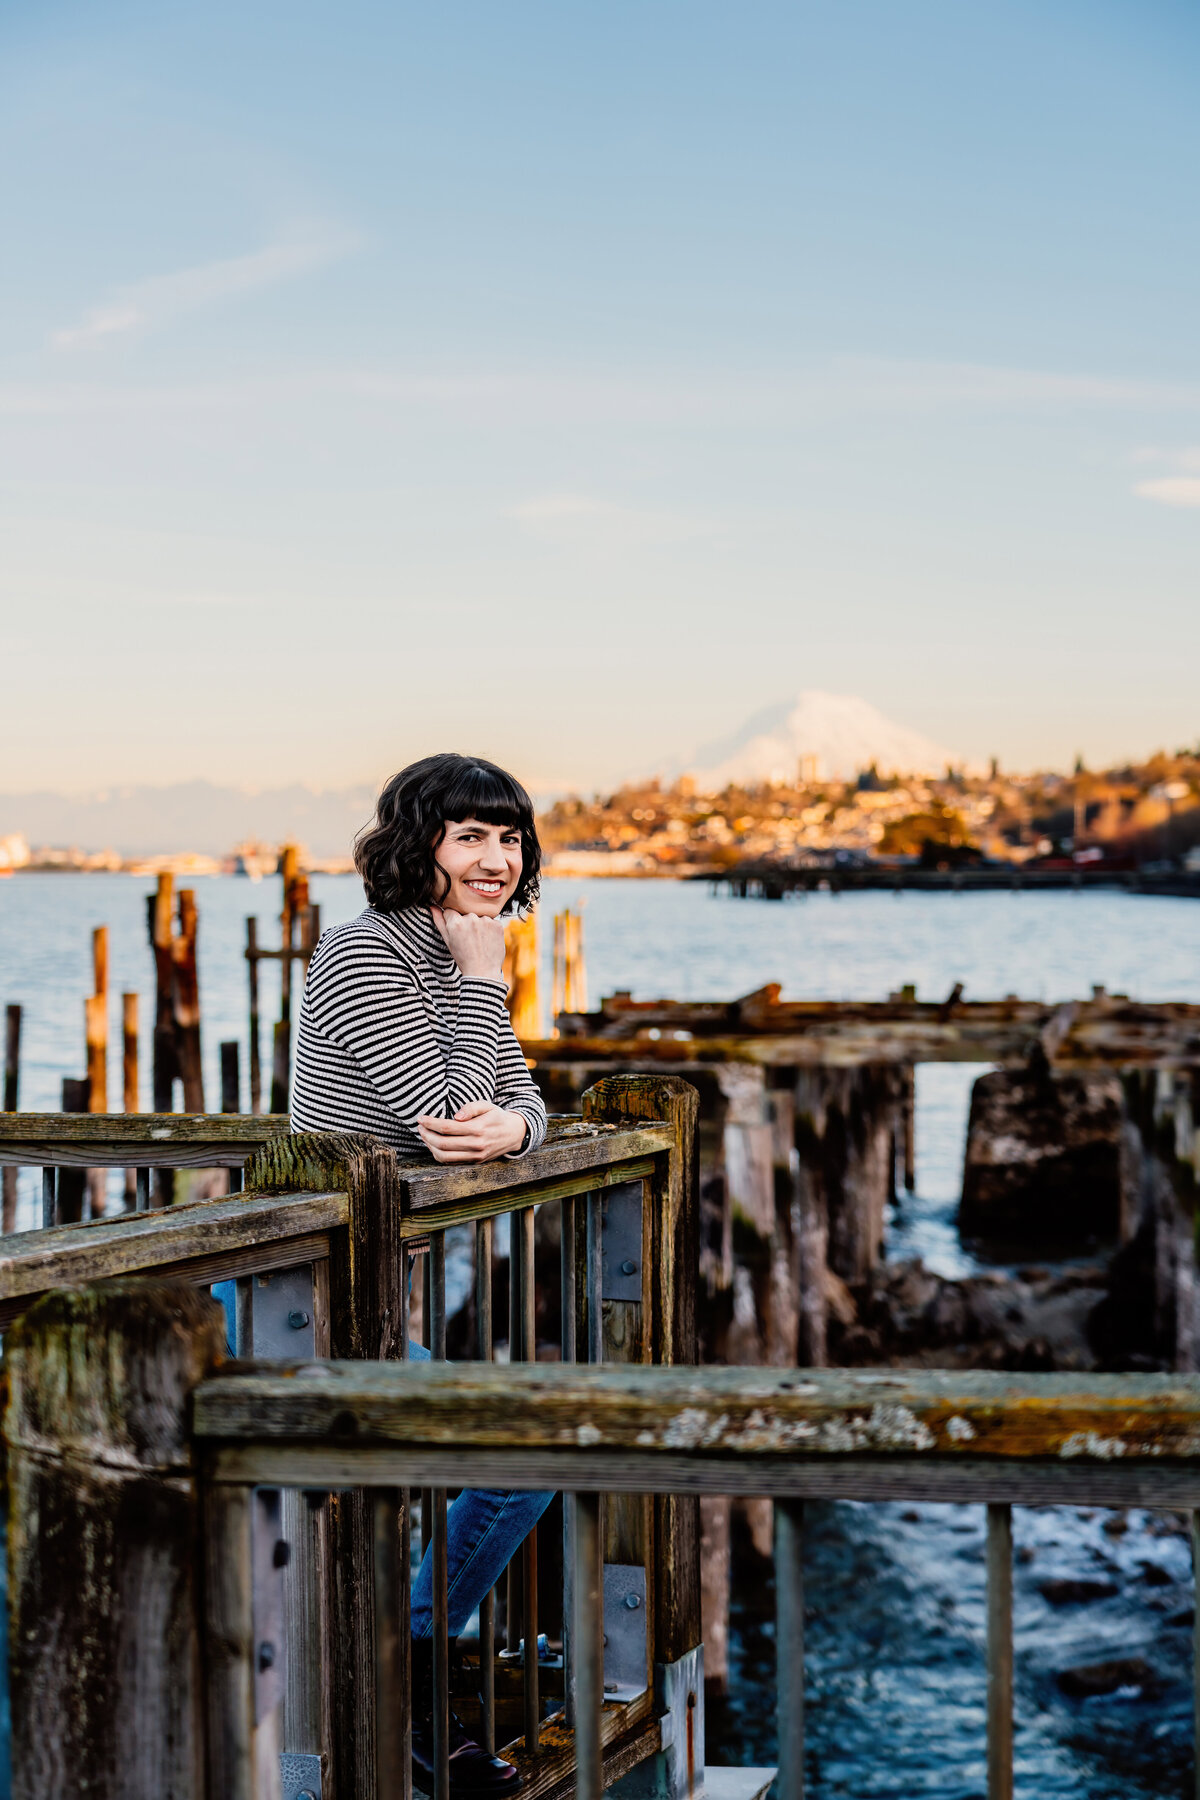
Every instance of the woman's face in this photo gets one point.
(483, 863)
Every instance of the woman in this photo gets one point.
(404, 1034)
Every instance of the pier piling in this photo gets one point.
(12, 1077)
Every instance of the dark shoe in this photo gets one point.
(472, 1770)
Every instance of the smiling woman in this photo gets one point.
(403, 1030)
(404, 1034)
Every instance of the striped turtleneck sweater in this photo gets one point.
(390, 1029)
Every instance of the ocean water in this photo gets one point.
(895, 1595)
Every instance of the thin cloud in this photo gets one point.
(162, 297)
(1171, 490)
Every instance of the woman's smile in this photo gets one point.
(482, 864)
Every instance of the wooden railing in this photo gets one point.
(321, 1246)
(58, 1143)
(145, 1417)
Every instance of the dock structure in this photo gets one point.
(773, 881)
(807, 1135)
(320, 1244)
(205, 1670)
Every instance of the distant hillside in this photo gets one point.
(839, 733)
(190, 815)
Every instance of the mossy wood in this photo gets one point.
(147, 1140)
(672, 1203)
(104, 1530)
(1105, 1031)
(715, 1412)
(202, 1242)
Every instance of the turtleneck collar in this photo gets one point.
(414, 924)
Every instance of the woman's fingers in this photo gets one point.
(475, 1109)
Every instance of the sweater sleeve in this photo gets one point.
(369, 1003)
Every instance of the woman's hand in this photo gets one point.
(475, 943)
(477, 1133)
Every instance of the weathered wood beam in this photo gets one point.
(717, 1414)
(155, 1140)
(202, 1242)
(103, 1545)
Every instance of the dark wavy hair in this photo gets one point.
(395, 853)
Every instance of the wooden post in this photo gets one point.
(129, 1052)
(368, 1276)
(255, 1052)
(674, 1258)
(12, 1078)
(129, 1076)
(72, 1182)
(521, 973)
(166, 1060)
(105, 1524)
(558, 973)
(187, 1004)
(230, 1076)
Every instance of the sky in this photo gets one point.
(564, 383)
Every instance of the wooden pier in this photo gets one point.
(320, 1244)
(772, 881)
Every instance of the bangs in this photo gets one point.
(483, 792)
(395, 854)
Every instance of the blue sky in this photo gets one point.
(567, 382)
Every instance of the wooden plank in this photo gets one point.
(716, 1414)
(564, 1153)
(367, 1312)
(31, 1262)
(156, 1140)
(674, 1257)
(627, 1734)
(1142, 1482)
(505, 1200)
(104, 1586)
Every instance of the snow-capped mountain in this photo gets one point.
(834, 735)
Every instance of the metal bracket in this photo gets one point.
(269, 1554)
(676, 1772)
(621, 1241)
(625, 1670)
(281, 1316)
(300, 1777)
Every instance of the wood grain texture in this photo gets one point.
(1105, 1030)
(1023, 1483)
(568, 1150)
(367, 1276)
(155, 1140)
(718, 1414)
(672, 1205)
(103, 1542)
(206, 1240)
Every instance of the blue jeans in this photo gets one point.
(484, 1527)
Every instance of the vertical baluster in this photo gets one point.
(49, 1198)
(516, 1313)
(1000, 1652)
(789, 1646)
(393, 1716)
(595, 1309)
(436, 1290)
(1196, 1645)
(528, 1325)
(141, 1192)
(568, 1301)
(487, 1606)
(589, 1650)
(426, 1493)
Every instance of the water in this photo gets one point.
(895, 1595)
